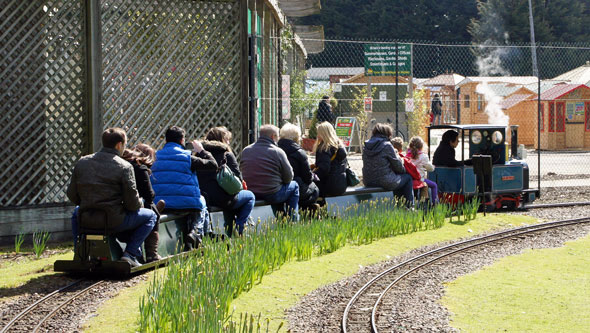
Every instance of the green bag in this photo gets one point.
(351, 178)
(227, 180)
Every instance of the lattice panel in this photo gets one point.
(41, 99)
(171, 63)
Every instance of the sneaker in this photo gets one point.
(131, 260)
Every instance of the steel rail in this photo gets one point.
(61, 306)
(34, 305)
(555, 205)
(441, 249)
(463, 249)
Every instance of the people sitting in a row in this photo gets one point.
(105, 186)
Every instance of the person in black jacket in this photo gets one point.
(330, 162)
(308, 190)
(445, 152)
(236, 208)
(325, 111)
(142, 158)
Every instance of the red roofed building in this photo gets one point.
(565, 117)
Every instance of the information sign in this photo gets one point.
(380, 59)
(345, 129)
(368, 104)
(579, 108)
(383, 95)
(409, 105)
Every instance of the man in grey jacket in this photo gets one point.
(267, 172)
(103, 187)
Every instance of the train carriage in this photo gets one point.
(506, 185)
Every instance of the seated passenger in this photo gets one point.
(266, 169)
(289, 142)
(422, 163)
(398, 144)
(445, 153)
(175, 181)
(330, 161)
(236, 207)
(142, 158)
(383, 167)
(104, 182)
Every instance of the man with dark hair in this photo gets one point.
(325, 111)
(444, 155)
(103, 187)
(175, 181)
(266, 169)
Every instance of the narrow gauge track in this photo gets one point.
(37, 314)
(360, 314)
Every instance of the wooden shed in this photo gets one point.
(565, 117)
(521, 113)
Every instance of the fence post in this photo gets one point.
(245, 107)
(94, 75)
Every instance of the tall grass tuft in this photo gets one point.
(18, 242)
(40, 239)
(197, 290)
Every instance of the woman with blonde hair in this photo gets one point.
(330, 161)
(289, 142)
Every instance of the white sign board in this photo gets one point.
(383, 95)
(409, 105)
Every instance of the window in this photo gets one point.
(542, 117)
(466, 100)
(551, 116)
(560, 121)
(479, 102)
(587, 117)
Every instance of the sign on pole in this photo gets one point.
(409, 105)
(380, 59)
(368, 104)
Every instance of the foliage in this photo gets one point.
(221, 271)
(420, 117)
(40, 239)
(358, 109)
(18, 242)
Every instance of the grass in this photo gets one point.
(282, 288)
(543, 290)
(16, 274)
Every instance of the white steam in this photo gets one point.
(489, 64)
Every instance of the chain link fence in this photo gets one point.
(477, 84)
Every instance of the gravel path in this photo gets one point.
(416, 307)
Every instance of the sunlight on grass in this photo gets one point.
(543, 290)
(14, 274)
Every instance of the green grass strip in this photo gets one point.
(282, 289)
(15, 274)
(542, 290)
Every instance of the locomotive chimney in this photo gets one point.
(513, 140)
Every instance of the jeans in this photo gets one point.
(239, 212)
(140, 223)
(289, 195)
(436, 120)
(433, 190)
(405, 189)
(199, 220)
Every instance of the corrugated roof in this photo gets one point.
(300, 8)
(444, 80)
(499, 79)
(545, 85)
(559, 90)
(323, 73)
(512, 100)
(580, 75)
(503, 89)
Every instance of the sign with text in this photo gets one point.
(380, 59)
(368, 104)
(345, 129)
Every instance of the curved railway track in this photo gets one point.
(362, 311)
(38, 314)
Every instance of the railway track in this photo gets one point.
(362, 311)
(35, 316)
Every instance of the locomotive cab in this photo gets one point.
(507, 185)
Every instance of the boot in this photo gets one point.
(151, 247)
(160, 206)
